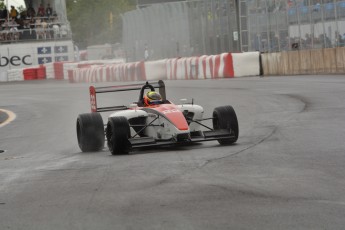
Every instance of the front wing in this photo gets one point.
(204, 136)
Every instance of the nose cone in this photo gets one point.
(174, 115)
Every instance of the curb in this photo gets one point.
(3, 117)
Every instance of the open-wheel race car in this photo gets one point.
(151, 121)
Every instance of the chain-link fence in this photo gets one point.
(211, 27)
(185, 29)
(279, 25)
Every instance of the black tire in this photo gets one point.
(90, 132)
(224, 117)
(117, 133)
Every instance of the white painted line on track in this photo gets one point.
(11, 117)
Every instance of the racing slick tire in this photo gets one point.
(90, 132)
(117, 133)
(224, 117)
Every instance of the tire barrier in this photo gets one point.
(50, 70)
(15, 75)
(34, 73)
(30, 74)
(58, 70)
(226, 65)
(41, 72)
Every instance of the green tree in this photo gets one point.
(97, 22)
(2, 5)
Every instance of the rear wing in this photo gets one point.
(148, 85)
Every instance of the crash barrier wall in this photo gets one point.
(204, 67)
(111, 72)
(224, 65)
(15, 75)
(85, 64)
(246, 64)
(50, 70)
(318, 61)
(33, 73)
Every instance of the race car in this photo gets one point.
(144, 124)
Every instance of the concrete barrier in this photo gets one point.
(224, 65)
(155, 70)
(246, 64)
(106, 73)
(203, 67)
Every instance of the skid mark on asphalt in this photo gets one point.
(171, 178)
(273, 131)
(307, 104)
(11, 117)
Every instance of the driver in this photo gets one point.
(152, 98)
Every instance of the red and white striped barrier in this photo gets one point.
(50, 70)
(226, 65)
(105, 73)
(204, 67)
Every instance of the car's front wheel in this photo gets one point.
(117, 133)
(224, 117)
(90, 132)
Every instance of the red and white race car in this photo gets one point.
(137, 125)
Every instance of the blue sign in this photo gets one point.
(61, 49)
(44, 60)
(44, 50)
(61, 58)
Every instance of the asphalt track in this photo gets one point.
(285, 172)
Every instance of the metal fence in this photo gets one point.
(208, 27)
(292, 25)
(176, 29)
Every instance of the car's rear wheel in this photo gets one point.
(224, 117)
(90, 132)
(117, 133)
